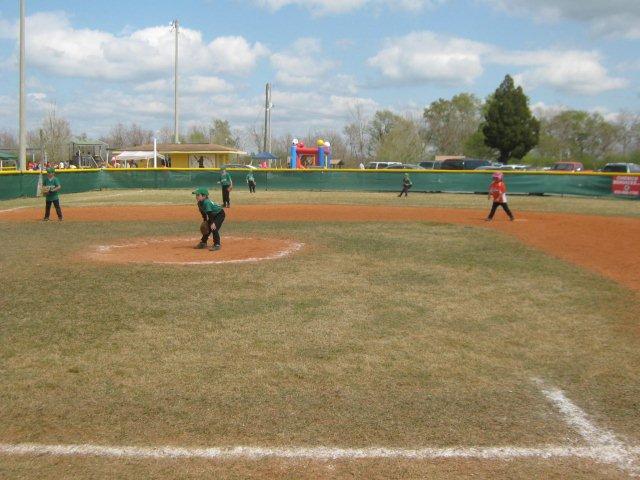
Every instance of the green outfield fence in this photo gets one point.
(24, 184)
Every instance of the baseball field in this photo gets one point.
(334, 335)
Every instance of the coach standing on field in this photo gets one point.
(227, 185)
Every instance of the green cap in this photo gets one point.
(201, 191)
(51, 170)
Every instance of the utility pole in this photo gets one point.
(267, 119)
(22, 130)
(176, 139)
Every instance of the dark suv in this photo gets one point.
(430, 164)
(464, 164)
(621, 168)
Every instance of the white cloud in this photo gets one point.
(542, 110)
(423, 57)
(295, 112)
(324, 7)
(303, 107)
(8, 30)
(195, 84)
(54, 45)
(569, 71)
(301, 64)
(606, 17)
(339, 84)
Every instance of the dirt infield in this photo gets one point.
(606, 245)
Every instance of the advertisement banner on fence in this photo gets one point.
(623, 185)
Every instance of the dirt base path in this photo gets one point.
(606, 245)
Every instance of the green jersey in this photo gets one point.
(207, 206)
(250, 178)
(406, 181)
(225, 179)
(51, 182)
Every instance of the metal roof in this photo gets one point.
(194, 148)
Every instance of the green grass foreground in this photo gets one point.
(400, 335)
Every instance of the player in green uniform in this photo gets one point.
(53, 186)
(251, 181)
(227, 185)
(213, 214)
(406, 185)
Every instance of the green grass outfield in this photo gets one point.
(401, 335)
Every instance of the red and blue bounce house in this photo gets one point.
(305, 157)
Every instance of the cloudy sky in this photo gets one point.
(103, 62)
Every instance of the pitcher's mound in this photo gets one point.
(181, 251)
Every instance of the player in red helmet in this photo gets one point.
(498, 193)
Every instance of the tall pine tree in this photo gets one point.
(509, 125)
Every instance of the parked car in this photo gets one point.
(505, 167)
(466, 164)
(567, 167)
(378, 165)
(405, 166)
(621, 168)
(237, 165)
(430, 164)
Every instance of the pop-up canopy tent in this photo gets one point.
(128, 156)
(263, 158)
(8, 157)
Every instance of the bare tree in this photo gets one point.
(122, 136)
(138, 135)
(356, 134)
(256, 137)
(56, 135)
(280, 147)
(165, 135)
(117, 137)
(8, 140)
(628, 124)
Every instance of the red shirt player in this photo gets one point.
(498, 193)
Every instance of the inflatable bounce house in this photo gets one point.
(305, 157)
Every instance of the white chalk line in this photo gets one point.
(611, 449)
(309, 453)
(603, 447)
(289, 250)
(279, 254)
(97, 198)
(13, 209)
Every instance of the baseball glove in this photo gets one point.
(204, 228)
(45, 190)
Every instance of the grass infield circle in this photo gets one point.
(181, 251)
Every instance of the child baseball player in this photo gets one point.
(406, 185)
(51, 186)
(213, 215)
(227, 185)
(251, 181)
(498, 192)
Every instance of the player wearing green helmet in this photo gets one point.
(212, 218)
(50, 188)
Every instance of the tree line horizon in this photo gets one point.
(500, 128)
